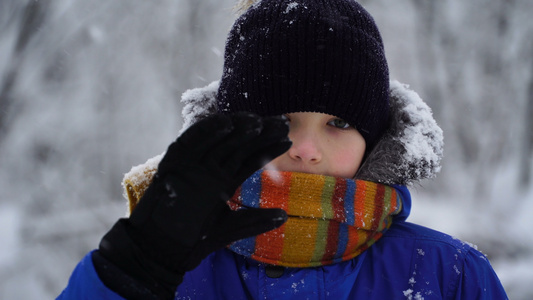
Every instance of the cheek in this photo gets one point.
(347, 153)
(346, 163)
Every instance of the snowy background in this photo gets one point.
(90, 88)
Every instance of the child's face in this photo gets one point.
(322, 144)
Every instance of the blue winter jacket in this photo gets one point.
(408, 262)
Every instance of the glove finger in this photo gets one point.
(244, 223)
(247, 127)
(196, 141)
(272, 142)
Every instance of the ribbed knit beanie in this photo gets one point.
(324, 56)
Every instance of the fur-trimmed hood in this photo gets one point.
(410, 150)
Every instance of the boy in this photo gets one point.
(243, 206)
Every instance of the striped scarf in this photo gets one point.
(330, 219)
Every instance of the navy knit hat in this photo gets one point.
(324, 56)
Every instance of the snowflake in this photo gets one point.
(291, 6)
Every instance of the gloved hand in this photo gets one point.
(183, 215)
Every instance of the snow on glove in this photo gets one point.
(183, 216)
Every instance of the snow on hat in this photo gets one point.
(324, 56)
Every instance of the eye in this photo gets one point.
(339, 123)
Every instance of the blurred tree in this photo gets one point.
(88, 89)
(33, 15)
(469, 62)
(429, 48)
(526, 154)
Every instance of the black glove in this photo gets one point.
(183, 215)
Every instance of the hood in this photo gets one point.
(410, 150)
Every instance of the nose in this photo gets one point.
(305, 146)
